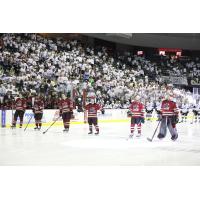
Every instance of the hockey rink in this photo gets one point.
(111, 147)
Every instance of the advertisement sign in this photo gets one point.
(3, 118)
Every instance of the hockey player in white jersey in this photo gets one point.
(184, 111)
(196, 112)
(149, 110)
(158, 109)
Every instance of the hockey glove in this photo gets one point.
(176, 119)
(129, 114)
(142, 120)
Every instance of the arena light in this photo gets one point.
(140, 53)
(162, 53)
(178, 53)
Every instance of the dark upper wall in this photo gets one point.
(187, 42)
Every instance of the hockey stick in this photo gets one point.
(151, 139)
(28, 123)
(51, 125)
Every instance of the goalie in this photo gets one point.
(169, 113)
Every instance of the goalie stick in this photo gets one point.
(151, 139)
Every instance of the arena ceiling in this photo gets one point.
(184, 35)
(187, 41)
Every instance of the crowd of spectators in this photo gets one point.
(32, 64)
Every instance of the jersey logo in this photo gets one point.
(92, 110)
(65, 105)
(135, 107)
(166, 106)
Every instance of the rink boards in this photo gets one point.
(49, 116)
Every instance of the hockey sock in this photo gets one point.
(90, 128)
(36, 123)
(139, 128)
(14, 122)
(97, 128)
(132, 128)
(66, 125)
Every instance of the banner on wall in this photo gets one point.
(3, 118)
(179, 80)
(175, 80)
(52, 115)
(111, 115)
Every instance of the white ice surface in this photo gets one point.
(111, 147)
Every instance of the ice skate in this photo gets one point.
(174, 137)
(138, 135)
(160, 136)
(66, 130)
(13, 126)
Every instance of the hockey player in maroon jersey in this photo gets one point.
(92, 109)
(20, 107)
(136, 111)
(66, 111)
(38, 108)
(169, 113)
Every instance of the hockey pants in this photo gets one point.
(166, 122)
